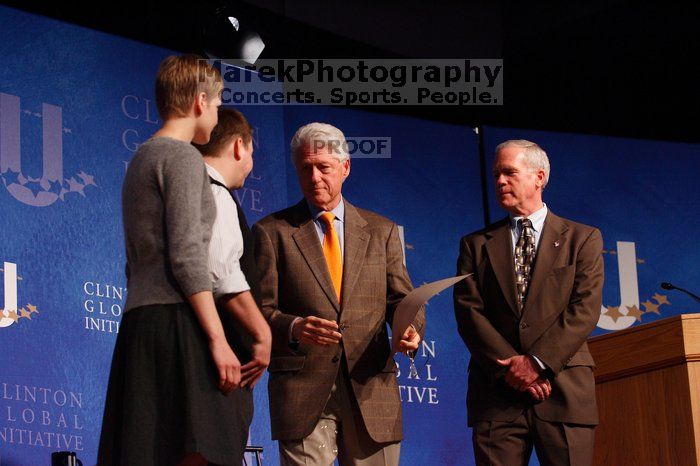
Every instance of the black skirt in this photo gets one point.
(162, 398)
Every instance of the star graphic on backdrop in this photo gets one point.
(26, 111)
(35, 188)
(11, 177)
(32, 308)
(87, 179)
(38, 115)
(614, 313)
(12, 315)
(67, 130)
(24, 313)
(633, 311)
(660, 299)
(409, 246)
(54, 187)
(75, 186)
(651, 307)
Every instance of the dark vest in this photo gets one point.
(239, 339)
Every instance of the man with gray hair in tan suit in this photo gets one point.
(332, 276)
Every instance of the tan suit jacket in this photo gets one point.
(295, 282)
(561, 310)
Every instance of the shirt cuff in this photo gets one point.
(232, 283)
(291, 327)
(539, 363)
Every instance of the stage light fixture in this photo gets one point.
(226, 37)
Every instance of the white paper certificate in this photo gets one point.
(409, 306)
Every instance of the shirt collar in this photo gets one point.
(537, 219)
(215, 174)
(338, 211)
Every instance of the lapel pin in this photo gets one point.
(556, 244)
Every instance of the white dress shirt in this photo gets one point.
(226, 246)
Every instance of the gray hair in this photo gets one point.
(320, 135)
(535, 156)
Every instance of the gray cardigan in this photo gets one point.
(168, 211)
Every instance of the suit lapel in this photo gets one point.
(310, 248)
(356, 240)
(549, 248)
(499, 248)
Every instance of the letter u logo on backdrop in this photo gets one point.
(51, 185)
(10, 313)
(630, 310)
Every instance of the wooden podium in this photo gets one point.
(648, 389)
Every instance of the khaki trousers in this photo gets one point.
(340, 433)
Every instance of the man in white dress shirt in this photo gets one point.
(229, 160)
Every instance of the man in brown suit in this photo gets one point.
(525, 314)
(331, 277)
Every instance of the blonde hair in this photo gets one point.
(180, 79)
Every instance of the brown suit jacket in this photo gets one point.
(561, 310)
(295, 282)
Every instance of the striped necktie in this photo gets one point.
(524, 258)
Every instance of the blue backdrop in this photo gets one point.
(75, 104)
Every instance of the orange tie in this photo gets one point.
(331, 251)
